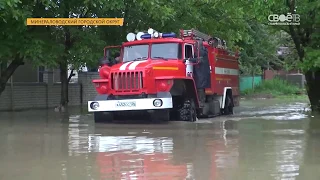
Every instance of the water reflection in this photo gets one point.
(224, 152)
(207, 153)
(277, 148)
(77, 136)
(130, 157)
(42, 146)
(140, 144)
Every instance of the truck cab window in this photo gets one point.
(164, 50)
(131, 53)
(188, 49)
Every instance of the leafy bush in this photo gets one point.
(275, 87)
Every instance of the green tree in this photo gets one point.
(289, 58)
(237, 22)
(74, 45)
(52, 46)
(259, 50)
(18, 42)
(306, 38)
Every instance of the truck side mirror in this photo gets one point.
(193, 60)
(185, 60)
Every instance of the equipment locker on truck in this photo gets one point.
(165, 76)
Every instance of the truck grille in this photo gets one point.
(127, 81)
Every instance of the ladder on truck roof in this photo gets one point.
(212, 41)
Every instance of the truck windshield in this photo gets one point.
(165, 50)
(136, 52)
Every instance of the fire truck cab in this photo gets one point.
(158, 74)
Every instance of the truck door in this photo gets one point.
(110, 54)
(189, 53)
(110, 51)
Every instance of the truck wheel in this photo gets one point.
(103, 117)
(187, 112)
(160, 115)
(228, 108)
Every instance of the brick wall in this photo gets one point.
(88, 89)
(270, 74)
(47, 95)
(6, 99)
(36, 95)
(294, 77)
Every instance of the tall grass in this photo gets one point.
(274, 87)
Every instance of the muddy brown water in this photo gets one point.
(265, 139)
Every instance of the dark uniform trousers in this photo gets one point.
(202, 97)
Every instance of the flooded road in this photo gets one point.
(264, 140)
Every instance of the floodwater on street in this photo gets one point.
(264, 140)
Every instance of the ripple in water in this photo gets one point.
(294, 111)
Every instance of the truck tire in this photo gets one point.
(160, 115)
(228, 108)
(187, 112)
(103, 117)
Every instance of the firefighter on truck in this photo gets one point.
(167, 77)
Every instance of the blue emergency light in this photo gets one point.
(146, 36)
(166, 35)
(151, 34)
(163, 35)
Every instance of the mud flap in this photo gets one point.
(228, 108)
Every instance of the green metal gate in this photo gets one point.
(246, 82)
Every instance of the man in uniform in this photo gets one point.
(202, 74)
(112, 62)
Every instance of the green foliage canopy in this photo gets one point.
(241, 23)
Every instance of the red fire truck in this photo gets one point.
(159, 73)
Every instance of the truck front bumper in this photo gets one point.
(130, 104)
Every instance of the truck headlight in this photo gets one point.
(157, 102)
(94, 105)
